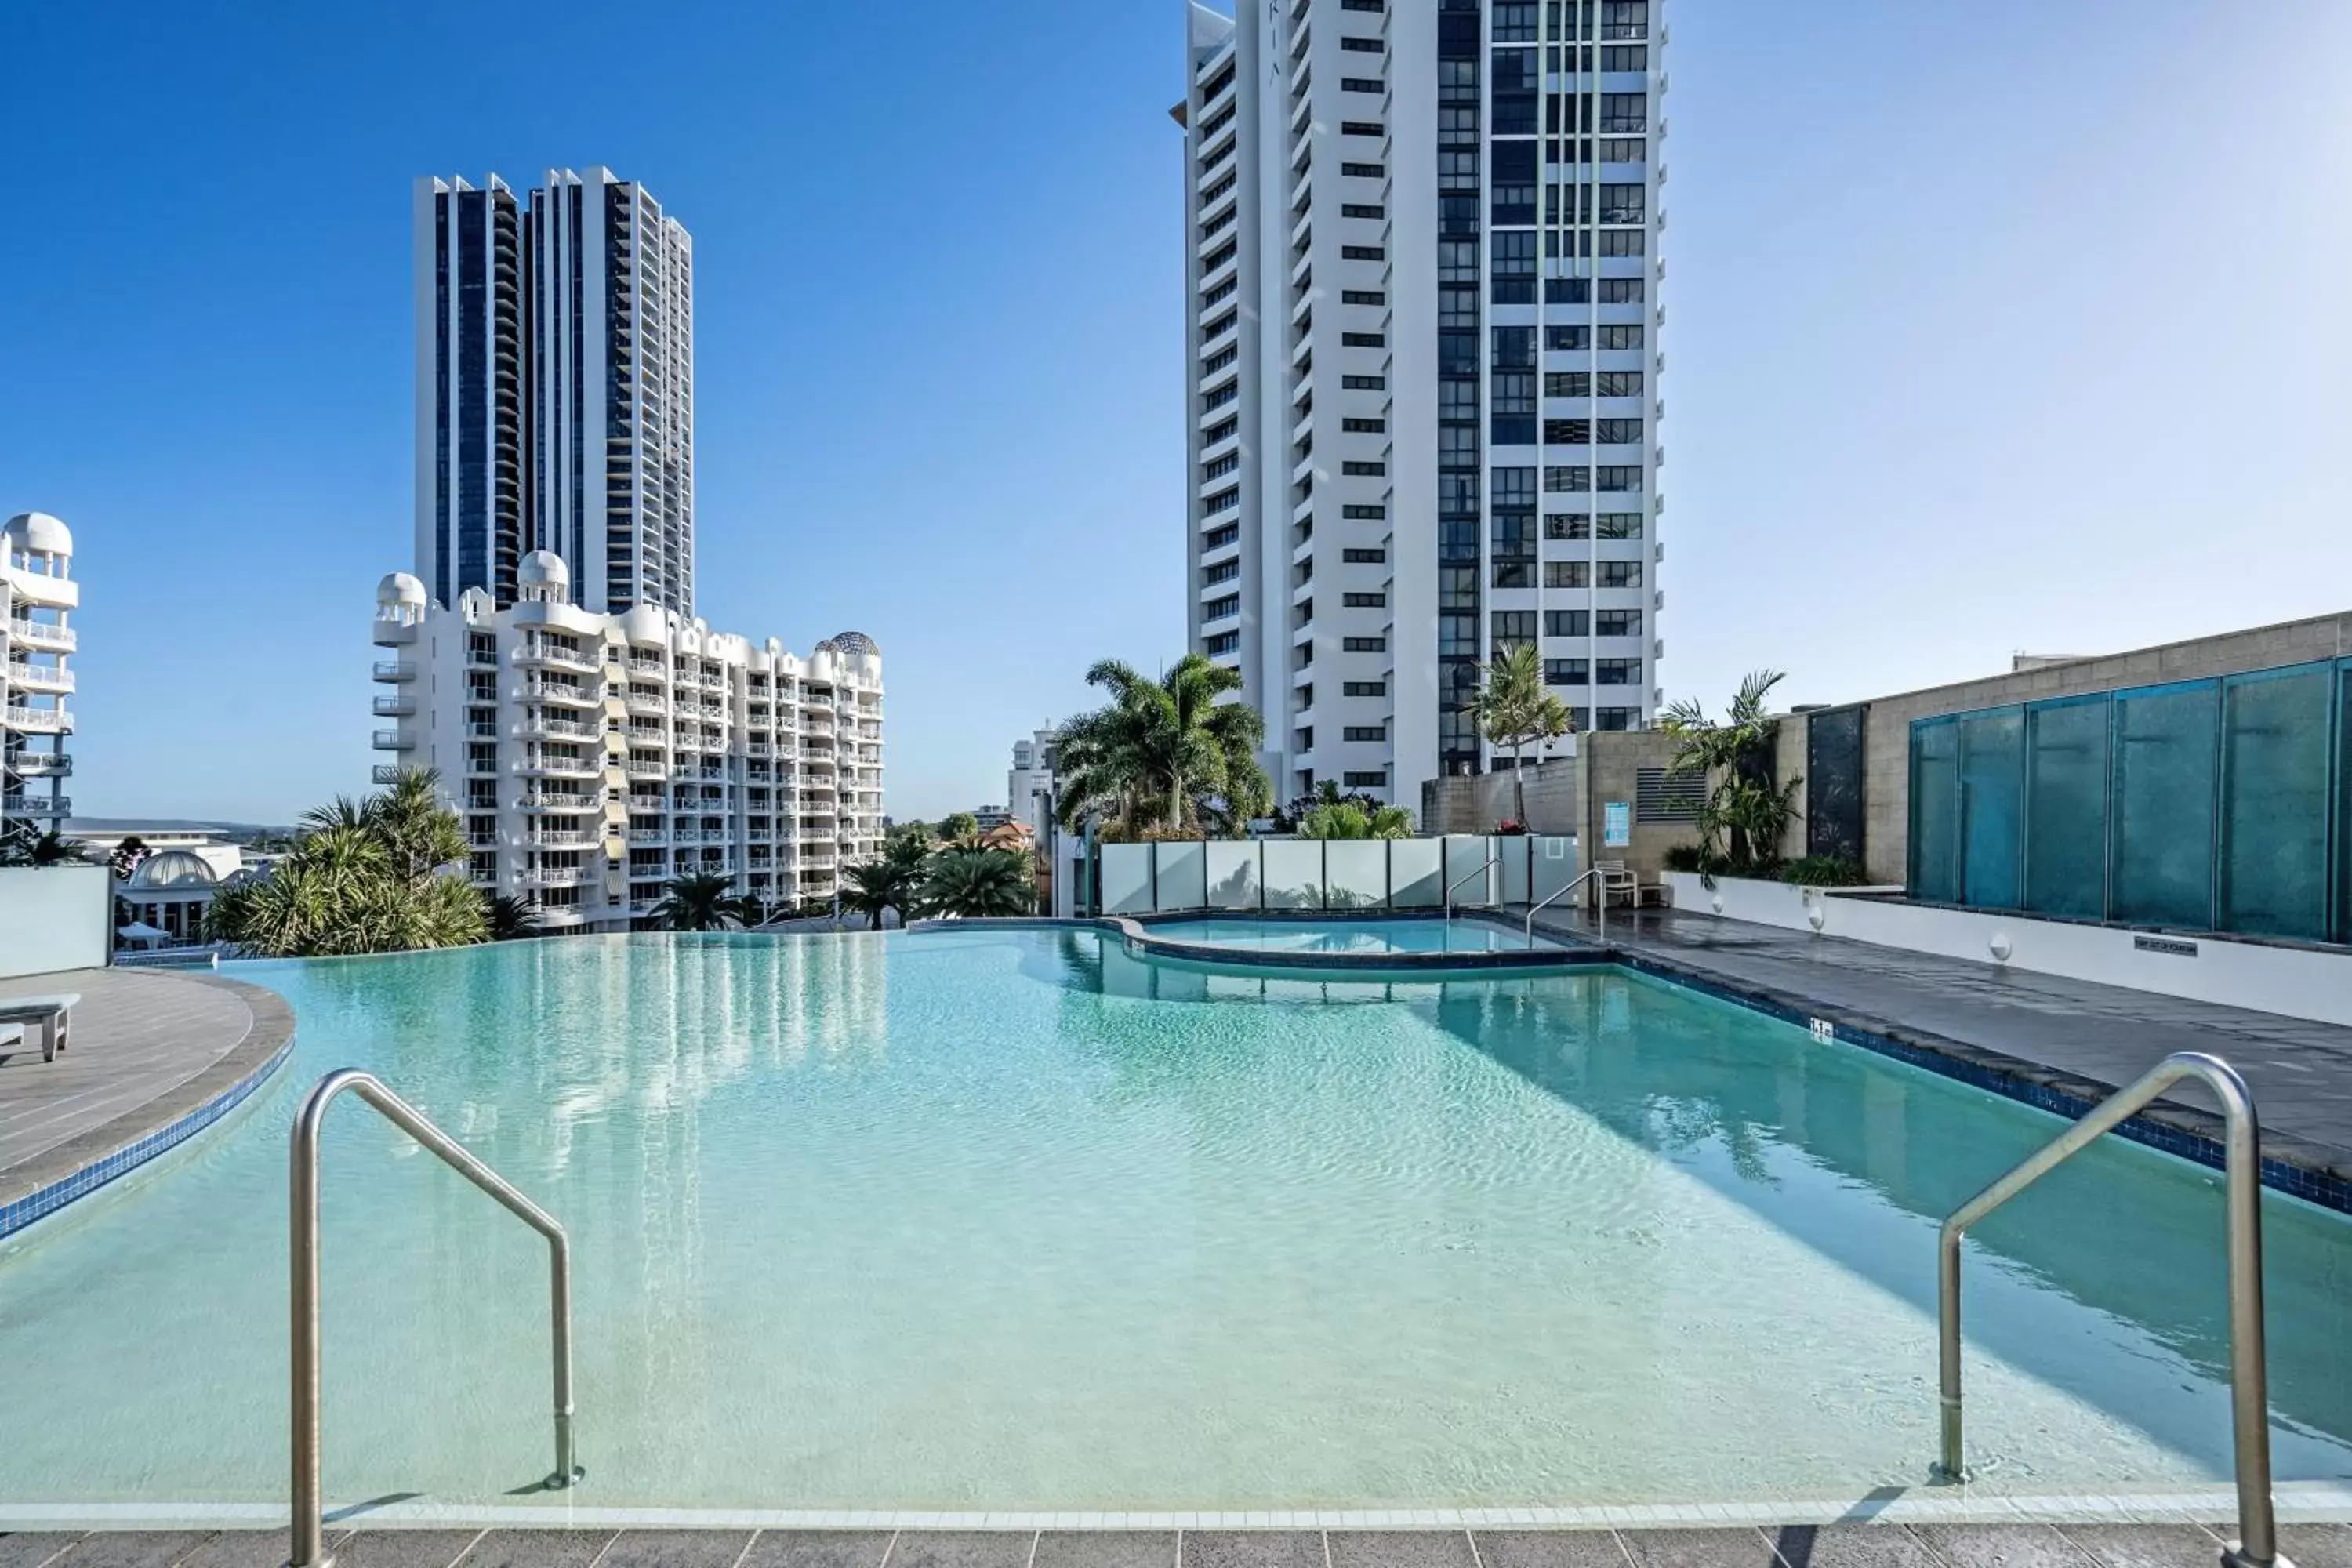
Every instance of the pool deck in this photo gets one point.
(2073, 1035)
(1879, 1545)
(155, 1056)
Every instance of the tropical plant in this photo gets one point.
(1745, 815)
(1287, 820)
(974, 883)
(1824, 872)
(362, 878)
(957, 828)
(699, 901)
(50, 849)
(511, 919)
(891, 881)
(1167, 752)
(1514, 708)
(125, 856)
(1346, 819)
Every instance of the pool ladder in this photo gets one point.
(309, 1524)
(2257, 1544)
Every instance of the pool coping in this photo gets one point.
(2315, 1173)
(51, 1179)
(1567, 951)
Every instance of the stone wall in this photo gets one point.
(1558, 800)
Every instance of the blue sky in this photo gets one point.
(2010, 325)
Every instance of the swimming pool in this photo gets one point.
(1431, 935)
(959, 1220)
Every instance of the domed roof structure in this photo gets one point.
(543, 569)
(173, 869)
(852, 644)
(38, 531)
(400, 588)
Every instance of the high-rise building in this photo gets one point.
(554, 389)
(37, 600)
(1421, 320)
(597, 757)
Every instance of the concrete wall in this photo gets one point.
(1561, 800)
(2298, 982)
(55, 917)
(1477, 803)
(1887, 731)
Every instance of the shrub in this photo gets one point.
(1824, 872)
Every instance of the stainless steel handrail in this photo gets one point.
(1581, 877)
(1492, 861)
(2257, 1544)
(309, 1526)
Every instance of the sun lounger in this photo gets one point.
(51, 1012)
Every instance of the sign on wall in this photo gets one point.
(1616, 824)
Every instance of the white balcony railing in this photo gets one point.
(39, 677)
(35, 805)
(41, 634)
(394, 669)
(395, 705)
(570, 839)
(557, 800)
(40, 765)
(537, 651)
(394, 740)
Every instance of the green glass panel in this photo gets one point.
(2344, 800)
(1936, 812)
(2067, 809)
(1992, 806)
(2166, 755)
(2275, 738)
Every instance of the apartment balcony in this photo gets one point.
(396, 705)
(555, 691)
(559, 767)
(35, 805)
(394, 634)
(534, 653)
(39, 677)
(648, 669)
(648, 837)
(394, 669)
(553, 876)
(570, 838)
(652, 706)
(557, 800)
(40, 765)
(394, 741)
(384, 773)
(28, 633)
(569, 729)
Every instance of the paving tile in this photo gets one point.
(537, 1548)
(2312, 1545)
(2147, 1545)
(1400, 1549)
(961, 1548)
(1850, 1546)
(30, 1548)
(676, 1548)
(817, 1549)
(131, 1549)
(243, 1548)
(403, 1548)
(1251, 1549)
(1105, 1549)
(2001, 1546)
(1697, 1548)
(1549, 1549)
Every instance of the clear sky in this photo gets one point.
(2018, 324)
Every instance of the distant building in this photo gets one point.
(596, 757)
(1029, 784)
(990, 816)
(39, 597)
(171, 890)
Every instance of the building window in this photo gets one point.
(1622, 337)
(1360, 84)
(1513, 627)
(1564, 339)
(1567, 623)
(1618, 476)
(1617, 672)
(1364, 427)
(1222, 572)
(1570, 478)
(1372, 511)
(1363, 733)
(1363, 468)
(1619, 383)
(1363, 209)
(1567, 383)
(1567, 432)
(1220, 468)
(1617, 432)
(1622, 291)
(1618, 718)
(1565, 525)
(1364, 645)
(1566, 672)
(1224, 642)
(1565, 574)
(1224, 501)
(1218, 538)
(1617, 623)
(1373, 556)
(1365, 171)
(1365, 383)
(1363, 339)
(1621, 574)
(1361, 128)
(1219, 608)
(1363, 252)
(1623, 242)
(1620, 525)
(1363, 688)
(1364, 46)
(1625, 58)
(1624, 113)
(1364, 601)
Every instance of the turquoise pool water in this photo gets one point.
(1350, 936)
(1005, 1219)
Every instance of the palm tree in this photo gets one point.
(418, 835)
(363, 877)
(699, 901)
(511, 919)
(970, 884)
(1737, 755)
(1346, 819)
(51, 848)
(889, 882)
(1514, 707)
(1164, 753)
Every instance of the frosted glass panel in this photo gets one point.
(1553, 866)
(1513, 871)
(1294, 873)
(2274, 817)
(1992, 807)
(1233, 875)
(1126, 879)
(1936, 812)
(1414, 872)
(2166, 753)
(2067, 809)
(1183, 875)
(1463, 856)
(1357, 873)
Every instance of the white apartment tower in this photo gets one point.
(38, 599)
(596, 757)
(1422, 412)
(554, 389)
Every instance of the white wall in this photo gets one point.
(55, 917)
(2299, 982)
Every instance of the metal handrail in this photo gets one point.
(1492, 861)
(310, 1525)
(2242, 1166)
(1581, 877)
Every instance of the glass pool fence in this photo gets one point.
(1255, 875)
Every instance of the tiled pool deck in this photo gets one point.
(2144, 1545)
(156, 1057)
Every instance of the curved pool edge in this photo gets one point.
(1564, 952)
(54, 1179)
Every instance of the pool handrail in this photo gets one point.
(1579, 880)
(1492, 861)
(2257, 1544)
(310, 1523)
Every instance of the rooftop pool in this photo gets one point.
(1006, 1219)
(1428, 933)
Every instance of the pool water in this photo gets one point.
(1009, 1220)
(1430, 935)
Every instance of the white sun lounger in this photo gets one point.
(51, 1012)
